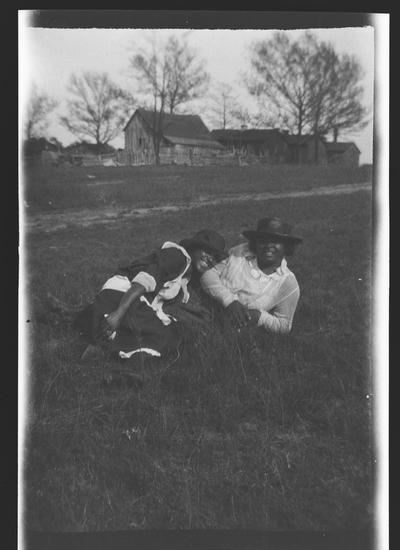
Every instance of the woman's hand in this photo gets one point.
(253, 316)
(110, 324)
(238, 314)
(241, 316)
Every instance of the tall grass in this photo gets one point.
(55, 188)
(224, 436)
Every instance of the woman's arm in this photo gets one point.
(161, 266)
(212, 285)
(281, 318)
(113, 320)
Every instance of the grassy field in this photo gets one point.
(218, 439)
(57, 188)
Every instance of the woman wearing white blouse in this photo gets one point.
(254, 283)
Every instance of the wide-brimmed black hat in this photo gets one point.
(208, 240)
(275, 228)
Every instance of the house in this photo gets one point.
(85, 148)
(302, 150)
(46, 151)
(271, 146)
(35, 146)
(268, 144)
(344, 153)
(185, 139)
(90, 154)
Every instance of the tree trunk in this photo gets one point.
(335, 134)
(158, 137)
(315, 148)
(298, 145)
(298, 141)
(156, 143)
(316, 126)
(157, 156)
(98, 144)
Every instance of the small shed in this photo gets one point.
(266, 144)
(344, 153)
(185, 139)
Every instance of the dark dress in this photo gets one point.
(140, 329)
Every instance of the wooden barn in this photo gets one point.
(345, 153)
(185, 139)
(268, 144)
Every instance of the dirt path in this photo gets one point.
(84, 217)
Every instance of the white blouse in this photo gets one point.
(239, 278)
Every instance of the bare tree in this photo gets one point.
(224, 109)
(169, 75)
(151, 70)
(39, 107)
(308, 86)
(187, 77)
(337, 93)
(242, 117)
(223, 106)
(280, 76)
(97, 108)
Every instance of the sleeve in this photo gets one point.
(212, 285)
(280, 318)
(239, 250)
(161, 266)
(146, 280)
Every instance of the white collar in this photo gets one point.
(283, 268)
(279, 271)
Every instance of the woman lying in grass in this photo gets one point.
(254, 284)
(127, 317)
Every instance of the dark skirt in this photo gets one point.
(140, 326)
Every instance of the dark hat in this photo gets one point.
(208, 240)
(273, 227)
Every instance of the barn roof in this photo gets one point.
(194, 142)
(292, 139)
(252, 135)
(340, 147)
(180, 129)
(93, 148)
(270, 136)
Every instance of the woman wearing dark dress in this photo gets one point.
(127, 318)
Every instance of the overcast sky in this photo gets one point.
(49, 56)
